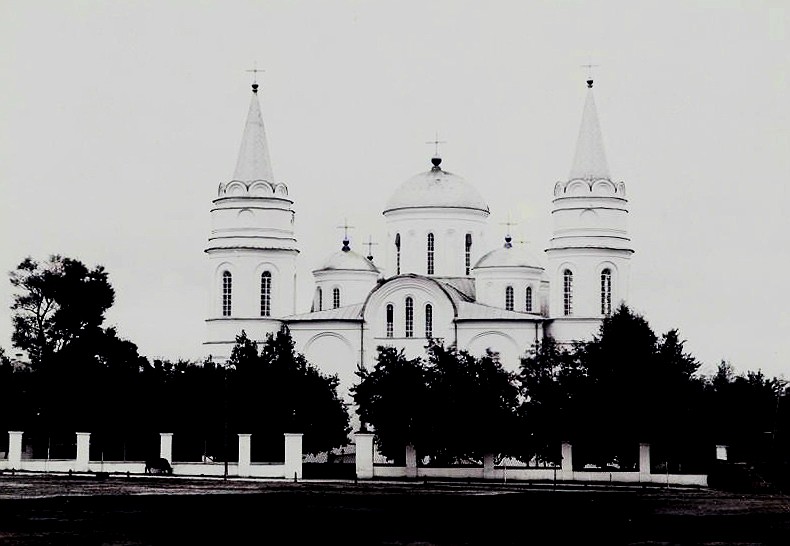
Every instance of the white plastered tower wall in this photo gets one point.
(590, 238)
(349, 273)
(252, 239)
(444, 205)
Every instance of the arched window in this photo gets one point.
(606, 292)
(528, 300)
(468, 253)
(567, 292)
(509, 298)
(227, 293)
(390, 318)
(335, 298)
(397, 253)
(266, 294)
(430, 254)
(428, 321)
(409, 317)
(320, 299)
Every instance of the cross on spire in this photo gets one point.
(345, 227)
(255, 71)
(370, 244)
(589, 66)
(436, 143)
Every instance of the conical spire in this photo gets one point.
(590, 159)
(253, 162)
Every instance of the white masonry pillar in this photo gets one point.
(411, 461)
(293, 455)
(566, 467)
(364, 457)
(644, 462)
(244, 454)
(488, 466)
(166, 446)
(15, 449)
(83, 451)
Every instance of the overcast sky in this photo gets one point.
(119, 119)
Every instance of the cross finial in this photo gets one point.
(510, 223)
(345, 227)
(589, 66)
(370, 244)
(255, 71)
(436, 143)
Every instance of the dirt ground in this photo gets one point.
(37, 509)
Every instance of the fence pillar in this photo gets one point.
(244, 454)
(83, 451)
(15, 449)
(411, 461)
(364, 457)
(488, 466)
(293, 455)
(644, 462)
(566, 466)
(166, 446)
(721, 453)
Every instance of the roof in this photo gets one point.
(436, 188)
(253, 162)
(589, 163)
(347, 312)
(509, 255)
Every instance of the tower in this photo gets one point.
(589, 252)
(252, 249)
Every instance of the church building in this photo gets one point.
(442, 276)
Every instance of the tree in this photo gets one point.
(276, 390)
(57, 302)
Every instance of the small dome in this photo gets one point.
(347, 260)
(436, 188)
(509, 256)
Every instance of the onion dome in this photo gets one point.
(436, 188)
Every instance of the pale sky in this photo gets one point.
(119, 119)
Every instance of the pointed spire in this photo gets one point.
(253, 162)
(590, 159)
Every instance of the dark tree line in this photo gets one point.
(82, 377)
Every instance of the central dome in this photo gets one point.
(436, 188)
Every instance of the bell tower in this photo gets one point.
(590, 251)
(251, 249)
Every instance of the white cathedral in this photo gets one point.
(440, 278)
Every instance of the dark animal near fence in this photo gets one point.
(158, 466)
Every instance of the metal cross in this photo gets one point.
(345, 227)
(436, 143)
(255, 71)
(370, 244)
(589, 68)
(509, 223)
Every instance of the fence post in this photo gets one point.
(488, 466)
(411, 461)
(566, 468)
(644, 462)
(166, 446)
(15, 449)
(721, 453)
(293, 455)
(364, 456)
(244, 454)
(83, 451)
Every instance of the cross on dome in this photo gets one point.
(370, 244)
(436, 159)
(255, 71)
(345, 227)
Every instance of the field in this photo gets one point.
(159, 510)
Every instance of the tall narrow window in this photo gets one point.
(606, 292)
(335, 298)
(266, 294)
(390, 318)
(528, 300)
(567, 292)
(320, 299)
(409, 317)
(430, 254)
(397, 253)
(428, 321)
(509, 298)
(227, 293)
(468, 253)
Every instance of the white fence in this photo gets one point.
(290, 468)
